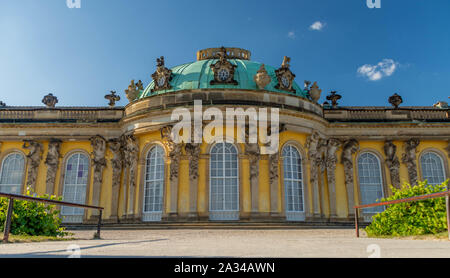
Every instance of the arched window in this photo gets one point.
(432, 168)
(11, 176)
(75, 183)
(224, 182)
(370, 181)
(293, 184)
(154, 185)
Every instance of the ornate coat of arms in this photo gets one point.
(223, 70)
(162, 76)
(285, 76)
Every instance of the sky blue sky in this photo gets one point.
(79, 55)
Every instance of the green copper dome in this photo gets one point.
(197, 75)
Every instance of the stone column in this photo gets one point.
(34, 158)
(392, 163)
(52, 162)
(115, 147)
(409, 159)
(349, 148)
(253, 153)
(331, 159)
(98, 144)
(131, 156)
(193, 153)
(273, 178)
(312, 144)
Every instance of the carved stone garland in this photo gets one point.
(409, 159)
(392, 162)
(174, 153)
(131, 156)
(349, 148)
(193, 153)
(285, 76)
(98, 144)
(273, 178)
(223, 70)
(162, 76)
(115, 146)
(253, 153)
(312, 144)
(33, 160)
(52, 162)
(331, 159)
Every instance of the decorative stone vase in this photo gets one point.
(315, 92)
(261, 78)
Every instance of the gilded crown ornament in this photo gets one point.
(162, 76)
(285, 76)
(223, 69)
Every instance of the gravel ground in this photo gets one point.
(288, 243)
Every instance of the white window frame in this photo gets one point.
(293, 215)
(152, 214)
(224, 214)
(440, 160)
(2, 169)
(374, 210)
(77, 214)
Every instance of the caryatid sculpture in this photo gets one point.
(33, 160)
(52, 162)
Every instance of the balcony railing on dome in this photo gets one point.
(406, 200)
(13, 197)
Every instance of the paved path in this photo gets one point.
(230, 243)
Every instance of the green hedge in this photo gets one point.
(413, 218)
(33, 218)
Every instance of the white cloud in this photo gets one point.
(291, 35)
(386, 67)
(317, 26)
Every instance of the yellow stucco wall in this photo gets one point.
(264, 195)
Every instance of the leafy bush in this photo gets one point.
(413, 218)
(33, 218)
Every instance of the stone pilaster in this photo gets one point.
(98, 144)
(52, 162)
(34, 158)
(331, 159)
(115, 147)
(409, 159)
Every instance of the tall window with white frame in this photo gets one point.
(154, 185)
(432, 168)
(370, 181)
(293, 184)
(12, 172)
(224, 182)
(75, 184)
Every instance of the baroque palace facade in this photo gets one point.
(329, 157)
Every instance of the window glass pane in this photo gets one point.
(293, 184)
(75, 183)
(370, 181)
(432, 168)
(12, 172)
(154, 181)
(224, 184)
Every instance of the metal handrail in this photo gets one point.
(406, 200)
(12, 197)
